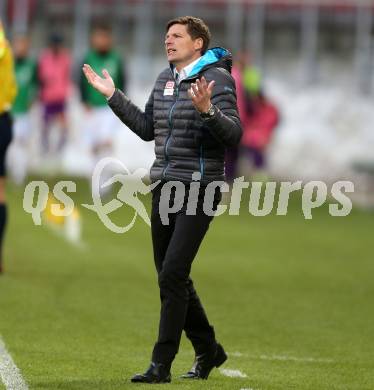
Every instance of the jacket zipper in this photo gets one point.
(171, 130)
(202, 167)
(169, 135)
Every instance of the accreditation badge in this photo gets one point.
(169, 88)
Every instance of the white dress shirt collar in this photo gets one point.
(184, 73)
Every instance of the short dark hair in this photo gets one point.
(196, 28)
(101, 26)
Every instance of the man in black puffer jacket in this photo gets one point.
(192, 116)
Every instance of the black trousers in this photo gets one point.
(175, 246)
(5, 139)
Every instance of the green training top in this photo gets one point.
(27, 82)
(111, 61)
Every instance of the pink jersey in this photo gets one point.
(54, 76)
(259, 127)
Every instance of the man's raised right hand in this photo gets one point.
(103, 85)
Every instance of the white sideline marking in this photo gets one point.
(232, 373)
(283, 358)
(9, 372)
(296, 359)
(236, 354)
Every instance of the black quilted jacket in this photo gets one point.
(184, 142)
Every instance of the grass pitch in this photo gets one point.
(291, 301)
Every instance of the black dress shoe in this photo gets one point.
(156, 373)
(205, 362)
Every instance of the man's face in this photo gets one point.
(101, 41)
(180, 48)
(21, 46)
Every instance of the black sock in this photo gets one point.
(3, 219)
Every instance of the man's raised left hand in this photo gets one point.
(200, 94)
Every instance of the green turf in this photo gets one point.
(294, 297)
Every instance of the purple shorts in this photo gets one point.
(53, 109)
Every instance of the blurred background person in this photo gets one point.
(252, 78)
(261, 121)
(27, 81)
(259, 118)
(54, 69)
(100, 124)
(8, 91)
